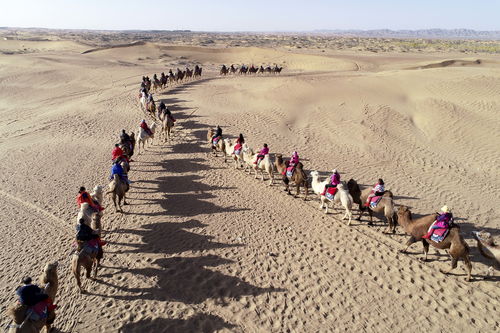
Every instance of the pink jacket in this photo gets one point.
(264, 151)
(335, 179)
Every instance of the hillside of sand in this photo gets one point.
(206, 248)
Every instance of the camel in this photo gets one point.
(163, 80)
(247, 157)
(156, 83)
(18, 312)
(264, 164)
(143, 137)
(454, 242)
(277, 70)
(299, 177)
(488, 248)
(233, 69)
(90, 260)
(166, 128)
(220, 146)
(118, 187)
(385, 205)
(341, 196)
(229, 151)
(224, 70)
(189, 73)
(197, 71)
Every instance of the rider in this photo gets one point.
(262, 153)
(239, 143)
(124, 137)
(378, 190)
(294, 160)
(117, 169)
(83, 196)
(218, 133)
(145, 127)
(438, 230)
(84, 233)
(334, 181)
(117, 152)
(30, 295)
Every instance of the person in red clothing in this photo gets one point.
(117, 152)
(83, 196)
(145, 127)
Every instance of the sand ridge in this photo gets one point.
(205, 248)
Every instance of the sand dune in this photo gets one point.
(206, 248)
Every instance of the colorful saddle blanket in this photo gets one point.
(216, 140)
(290, 171)
(439, 231)
(374, 201)
(330, 193)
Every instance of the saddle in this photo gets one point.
(216, 140)
(289, 171)
(330, 193)
(374, 201)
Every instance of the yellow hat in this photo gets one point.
(445, 209)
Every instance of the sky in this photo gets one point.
(256, 15)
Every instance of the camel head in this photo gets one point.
(153, 127)
(97, 190)
(314, 174)
(51, 268)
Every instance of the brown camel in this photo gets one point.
(385, 205)
(224, 70)
(24, 324)
(299, 177)
(454, 242)
(219, 147)
(166, 128)
(87, 258)
(118, 188)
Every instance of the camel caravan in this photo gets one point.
(171, 78)
(249, 70)
(437, 229)
(35, 306)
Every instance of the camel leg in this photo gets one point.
(410, 241)
(271, 178)
(124, 199)
(453, 266)
(114, 202)
(426, 249)
(468, 267)
(361, 211)
(76, 268)
(262, 174)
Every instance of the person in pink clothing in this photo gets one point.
(377, 191)
(294, 160)
(334, 181)
(263, 152)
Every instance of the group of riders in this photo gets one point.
(251, 70)
(437, 232)
(162, 111)
(164, 78)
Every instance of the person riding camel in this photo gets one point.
(377, 191)
(124, 137)
(261, 154)
(217, 136)
(440, 228)
(117, 169)
(239, 144)
(294, 160)
(169, 115)
(117, 152)
(33, 296)
(150, 100)
(86, 234)
(145, 127)
(334, 181)
(83, 196)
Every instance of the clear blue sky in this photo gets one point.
(256, 15)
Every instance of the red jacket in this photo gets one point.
(117, 152)
(84, 197)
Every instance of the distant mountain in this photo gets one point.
(426, 33)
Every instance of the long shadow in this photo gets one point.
(200, 322)
(169, 238)
(188, 280)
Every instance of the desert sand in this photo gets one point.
(203, 247)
